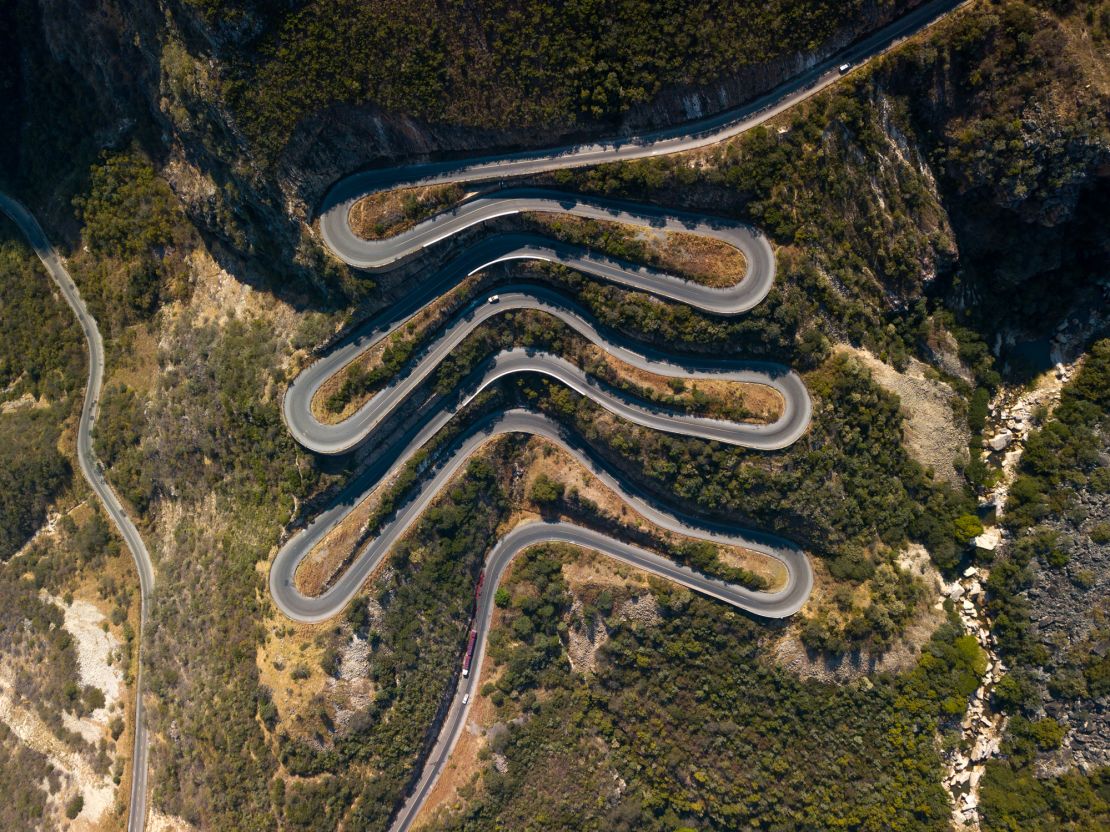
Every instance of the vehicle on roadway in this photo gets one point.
(494, 298)
(469, 652)
(843, 68)
(466, 698)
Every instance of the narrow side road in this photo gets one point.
(90, 467)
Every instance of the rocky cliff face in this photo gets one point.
(349, 138)
(1068, 607)
(142, 60)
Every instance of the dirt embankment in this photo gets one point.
(693, 257)
(933, 433)
(385, 214)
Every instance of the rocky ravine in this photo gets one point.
(1010, 422)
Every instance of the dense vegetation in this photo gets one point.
(703, 726)
(1062, 463)
(137, 236)
(1014, 799)
(506, 63)
(1063, 456)
(216, 434)
(42, 357)
(685, 723)
(426, 608)
(846, 486)
(44, 658)
(927, 108)
(32, 473)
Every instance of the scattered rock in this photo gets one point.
(1000, 441)
(988, 541)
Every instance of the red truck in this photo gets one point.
(469, 652)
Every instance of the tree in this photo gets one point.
(968, 528)
(546, 491)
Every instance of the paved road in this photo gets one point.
(362, 425)
(342, 437)
(689, 136)
(778, 604)
(385, 254)
(91, 469)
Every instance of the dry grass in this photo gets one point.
(327, 559)
(137, 366)
(592, 570)
(382, 215)
(757, 403)
(292, 646)
(464, 763)
(703, 260)
(546, 458)
(932, 434)
(427, 319)
(1090, 54)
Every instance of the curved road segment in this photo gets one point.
(377, 255)
(92, 471)
(688, 136)
(383, 254)
(359, 427)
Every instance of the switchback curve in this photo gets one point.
(336, 231)
(364, 423)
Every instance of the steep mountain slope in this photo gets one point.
(942, 210)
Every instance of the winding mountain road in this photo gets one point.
(91, 469)
(337, 234)
(360, 427)
(386, 254)
(349, 433)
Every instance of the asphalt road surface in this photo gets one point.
(380, 255)
(383, 254)
(90, 467)
(341, 437)
(689, 136)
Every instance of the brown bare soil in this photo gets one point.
(933, 436)
(755, 403)
(902, 655)
(137, 366)
(464, 764)
(382, 215)
(549, 459)
(700, 259)
(703, 259)
(289, 647)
